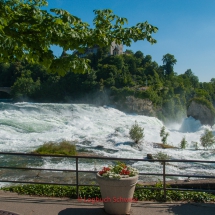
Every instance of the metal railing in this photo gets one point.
(164, 175)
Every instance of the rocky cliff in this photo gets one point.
(201, 112)
(136, 105)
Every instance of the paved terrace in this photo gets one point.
(14, 204)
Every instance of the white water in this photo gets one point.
(25, 126)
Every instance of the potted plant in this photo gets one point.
(117, 185)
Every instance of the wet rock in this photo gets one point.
(86, 142)
(201, 112)
(136, 105)
(99, 147)
(149, 156)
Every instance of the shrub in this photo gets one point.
(207, 139)
(92, 192)
(171, 195)
(162, 156)
(136, 133)
(195, 145)
(53, 148)
(183, 143)
(164, 135)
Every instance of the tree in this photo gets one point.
(106, 71)
(183, 143)
(129, 52)
(136, 133)
(212, 80)
(164, 135)
(193, 79)
(25, 85)
(147, 59)
(168, 61)
(28, 32)
(130, 62)
(195, 145)
(207, 139)
(139, 54)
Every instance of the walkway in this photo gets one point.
(28, 205)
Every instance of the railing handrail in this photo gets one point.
(107, 158)
(76, 157)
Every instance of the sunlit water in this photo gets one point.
(102, 130)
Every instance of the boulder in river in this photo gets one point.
(202, 110)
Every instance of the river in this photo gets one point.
(101, 130)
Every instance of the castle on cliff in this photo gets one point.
(114, 49)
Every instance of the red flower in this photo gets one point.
(125, 172)
(104, 170)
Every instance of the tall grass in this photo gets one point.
(62, 148)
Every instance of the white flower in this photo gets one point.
(120, 170)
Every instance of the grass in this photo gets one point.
(52, 148)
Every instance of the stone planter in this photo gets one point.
(117, 194)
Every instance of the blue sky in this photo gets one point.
(186, 28)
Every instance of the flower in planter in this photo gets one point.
(120, 170)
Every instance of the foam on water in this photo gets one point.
(103, 130)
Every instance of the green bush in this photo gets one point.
(171, 195)
(53, 148)
(136, 133)
(183, 144)
(92, 192)
(195, 145)
(163, 135)
(207, 139)
(162, 156)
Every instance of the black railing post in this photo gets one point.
(164, 179)
(77, 184)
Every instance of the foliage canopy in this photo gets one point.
(27, 32)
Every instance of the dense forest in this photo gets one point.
(110, 81)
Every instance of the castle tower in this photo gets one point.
(116, 49)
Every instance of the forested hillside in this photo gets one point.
(111, 81)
